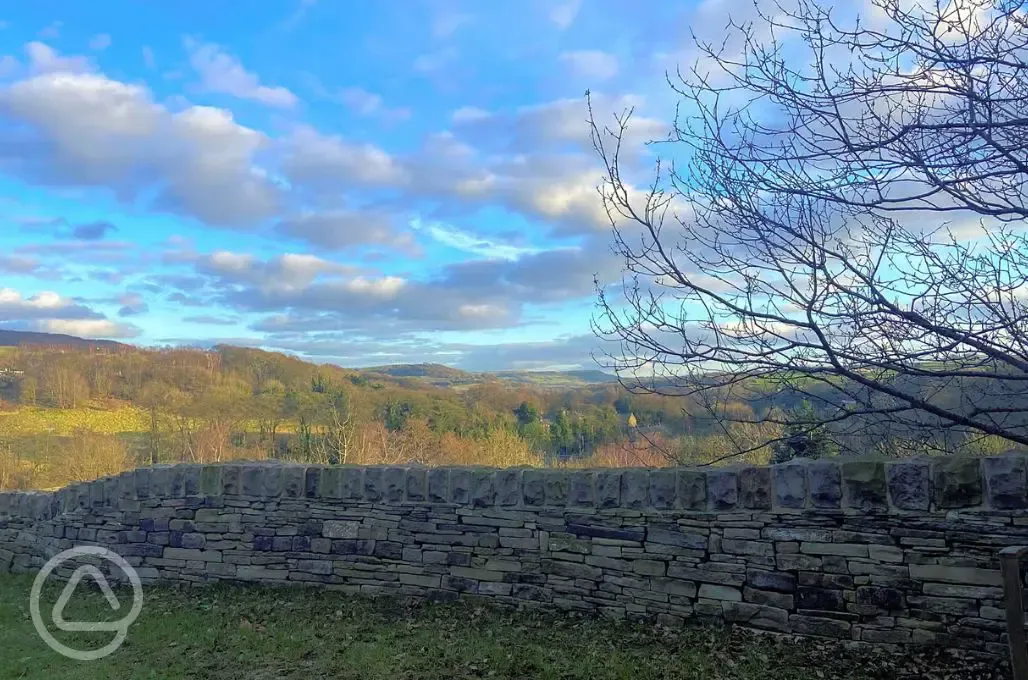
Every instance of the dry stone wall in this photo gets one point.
(898, 553)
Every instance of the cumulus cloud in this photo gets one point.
(45, 305)
(344, 229)
(84, 129)
(324, 161)
(16, 264)
(44, 59)
(221, 72)
(52, 313)
(132, 304)
(90, 328)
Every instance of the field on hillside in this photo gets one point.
(243, 632)
(33, 420)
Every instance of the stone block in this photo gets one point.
(160, 481)
(374, 484)
(909, 485)
(312, 481)
(865, 485)
(722, 489)
(777, 581)
(820, 599)
(674, 535)
(790, 485)
(691, 492)
(439, 485)
(417, 484)
(508, 487)
(755, 488)
(971, 576)
(649, 567)
(756, 615)
(885, 553)
(231, 480)
(272, 481)
(251, 482)
(581, 489)
(957, 482)
(141, 479)
(824, 481)
(712, 591)
(210, 480)
(340, 529)
(889, 599)
(483, 489)
(608, 488)
(820, 627)
(739, 547)
(353, 482)
(840, 549)
(293, 479)
(394, 484)
(555, 483)
(560, 542)
(769, 598)
(460, 486)
(635, 488)
(1005, 485)
(663, 488)
(533, 487)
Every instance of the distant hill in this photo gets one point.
(445, 376)
(22, 338)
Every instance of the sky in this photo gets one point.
(355, 182)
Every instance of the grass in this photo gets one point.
(236, 632)
(101, 420)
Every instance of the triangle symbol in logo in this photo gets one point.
(69, 589)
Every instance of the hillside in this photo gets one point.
(445, 376)
(26, 338)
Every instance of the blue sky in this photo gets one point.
(355, 182)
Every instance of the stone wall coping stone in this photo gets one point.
(934, 485)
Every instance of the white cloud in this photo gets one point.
(563, 12)
(461, 240)
(345, 229)
(148, 57)
(8, 66)
(43, 59)
(89, 328)
(88, 130)
(100, 42)
(591, 64)
(319, 159)
(221, 72)
(50, 312)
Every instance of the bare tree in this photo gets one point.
(837, 216)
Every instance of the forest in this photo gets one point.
(72, 412)
(77, 412)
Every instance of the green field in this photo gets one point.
(35, 420)
(236, 632)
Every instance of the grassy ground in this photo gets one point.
(236, 632)
(102, 420)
